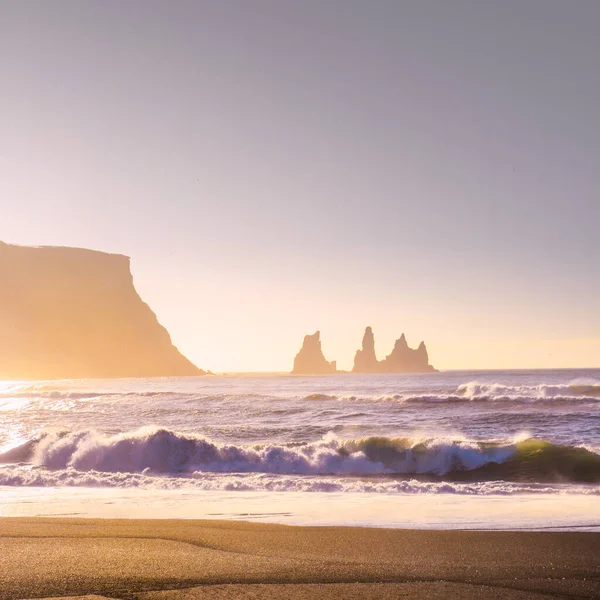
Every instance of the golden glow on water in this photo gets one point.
(525, 511)
(11, 438)
(7, 404)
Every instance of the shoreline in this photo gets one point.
(128, 558)
(448, 511)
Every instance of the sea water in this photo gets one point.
(460, 449)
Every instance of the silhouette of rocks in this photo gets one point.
(402, 359)
(365, 360)
(75, 313)
(310, 359)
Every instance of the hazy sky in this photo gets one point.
(274, 167)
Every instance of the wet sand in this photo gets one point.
(173, 560)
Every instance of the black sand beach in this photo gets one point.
(152, 559)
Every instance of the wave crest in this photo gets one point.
(492, 391)
(152, 450)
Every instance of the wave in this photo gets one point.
(575, 389)
(318, 396)
(471, 391)
(57, 394)
(154, 451)
(29, 476)
(474, 391)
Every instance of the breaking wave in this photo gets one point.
(471, 391)
(152, 451)
(29, 476)
(477, 390)
(474, 391)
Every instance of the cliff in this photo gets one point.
(310, 359)
(402, 359)
(74, 313)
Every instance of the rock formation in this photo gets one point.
(365, 360)
(401, 360)
(406, 360)
(75, 313)
(310, 359)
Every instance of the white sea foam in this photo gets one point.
(585, 389)
(474, 390)
(270, 433)
(163, 451)
(27, 476)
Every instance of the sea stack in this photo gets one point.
(310, 359)
(406, 360)
(402, 359)
(365, 360)
(68, 313)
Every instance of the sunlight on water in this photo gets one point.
(424, 512)
(406, 442)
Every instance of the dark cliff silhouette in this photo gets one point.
(74, 313)
(310, 359)
(401, 360)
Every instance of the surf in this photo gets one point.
(153, 450)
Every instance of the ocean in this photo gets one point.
(457, 449)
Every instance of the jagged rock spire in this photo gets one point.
(310, 359)
(365, 360)
(402, 359)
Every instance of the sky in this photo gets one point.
(274, 167)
